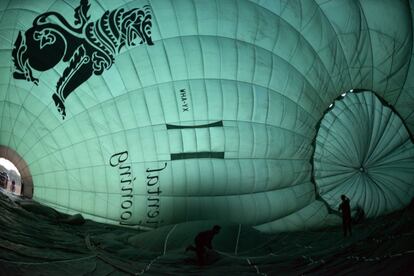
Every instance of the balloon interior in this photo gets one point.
(259, 113)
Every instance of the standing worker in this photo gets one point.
(13, 186)
(345, 208)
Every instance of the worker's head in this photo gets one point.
(216, 229)
(343, 197)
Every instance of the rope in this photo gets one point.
(166, 239)
(237, 240)
(255, 266)
(51, 262)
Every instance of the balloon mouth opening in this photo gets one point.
(15, 175)
(359, 146)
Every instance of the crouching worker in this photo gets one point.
(202, 241)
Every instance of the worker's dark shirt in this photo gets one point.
(346, 209)
(204, 239)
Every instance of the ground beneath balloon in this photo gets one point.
(35, 244)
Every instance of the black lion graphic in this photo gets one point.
(89, 47)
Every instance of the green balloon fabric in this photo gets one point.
(147, 113)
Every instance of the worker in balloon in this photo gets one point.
(203, 241)
(345, 208)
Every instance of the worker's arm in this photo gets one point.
(209, 240)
